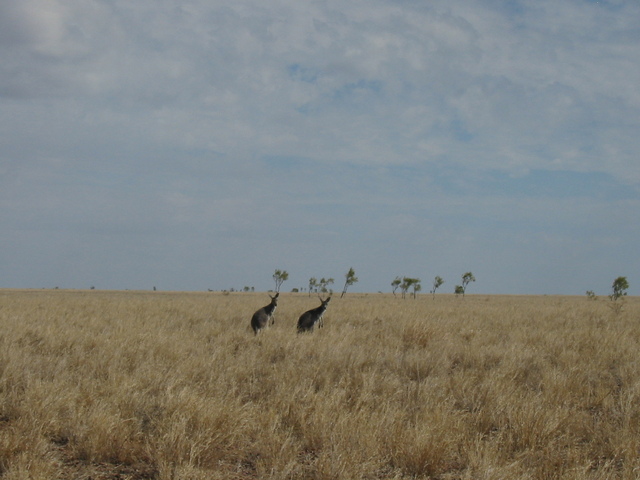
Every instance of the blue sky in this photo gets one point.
(204, 144)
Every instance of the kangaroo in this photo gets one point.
(261, 318)
(308, 319)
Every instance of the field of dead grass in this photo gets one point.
(150, 385)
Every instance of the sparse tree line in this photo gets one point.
(414, 284)
(315, 285)
(618, 292)
(406, 285)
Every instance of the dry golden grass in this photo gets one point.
(126, 385)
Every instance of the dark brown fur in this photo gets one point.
(308, 319)
(261, 318)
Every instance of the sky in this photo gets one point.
(202, 144)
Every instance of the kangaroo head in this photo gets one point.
(274, 299)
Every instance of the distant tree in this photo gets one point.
(323, 284)
(416, 286)
(466, 278)
(295, 290)
(350, 279)
(395, 284)
(279, 277)
(437, 283)
(618, 292)
(313, 285)
(459, 290)
(591, 295)
(406, 284)
(619, 288)
(246, 288)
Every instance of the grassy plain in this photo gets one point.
(150, 385)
